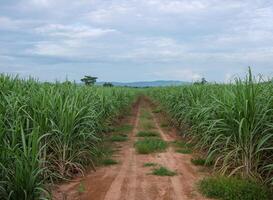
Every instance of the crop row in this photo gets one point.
(231, 123)
(50, 132)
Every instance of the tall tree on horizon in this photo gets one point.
(89, 80)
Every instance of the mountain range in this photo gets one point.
(159, 83)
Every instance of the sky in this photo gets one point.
(136, 40)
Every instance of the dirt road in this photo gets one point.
(130, 180)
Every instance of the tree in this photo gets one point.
(67, 82)
(89, 80)
(203, 81)
(107, 84)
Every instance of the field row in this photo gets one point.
(232, 124)
(51, 132)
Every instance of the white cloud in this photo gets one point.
(229, 78)
(176, 7)
(110, 13)
(73, 31)
(153, 49)
(177, 74)
(41, 2)
(192, 36)
(8, 24)
(74, 42)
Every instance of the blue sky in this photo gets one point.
(136, 40)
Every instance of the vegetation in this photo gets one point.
(147, 134)
(146, 124)
(198, 161)
(164, 125)
(163, 171)
(89, 80)
(145, 115)
(150, 145)
(227, 188)
(50, 132)
(109, 161)
(119, 138)
(157, 110)
(107, 84)
(81, 188)
(182, 144)
(203, 81)
(184, 151)
(124, 129)
(201, 162)
(150, 164)
(232, 123)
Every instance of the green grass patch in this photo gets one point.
(81, 188)
(145, 115)
(201, 162)
(123, 129)
(103, 150)
(147, 134)
(184, 151)
(149, 164)
(182, 144)
(157, 110)
(164, 125)
(108, 161)
(150, 145)
(118, 138)
(147, 125)
(231, 188)
(163, 171)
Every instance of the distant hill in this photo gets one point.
(148, 83)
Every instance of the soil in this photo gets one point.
(130, 180)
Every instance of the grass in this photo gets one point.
(184, 151)
(225, 188)
(147, 125)
(124, 129)
(150, 145)
(51, 131)
(232, 122)
(201, 162)
(81, 188)
(150, 164)
(147, 134)
(109, 161)
(182, 144)
(157, 110)
(198, 161)
(163, 171)
(119, 138)
(145, 115)
(183, 147)
(164, 125)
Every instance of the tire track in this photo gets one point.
(183, 183)
(115, 190)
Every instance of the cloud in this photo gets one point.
(7, 23)
(112, 12)
(69, 41)
(177, 74)
(73, 31)
(42, 3)
(177, 7)
(195, 37)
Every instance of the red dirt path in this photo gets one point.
(129, 180)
